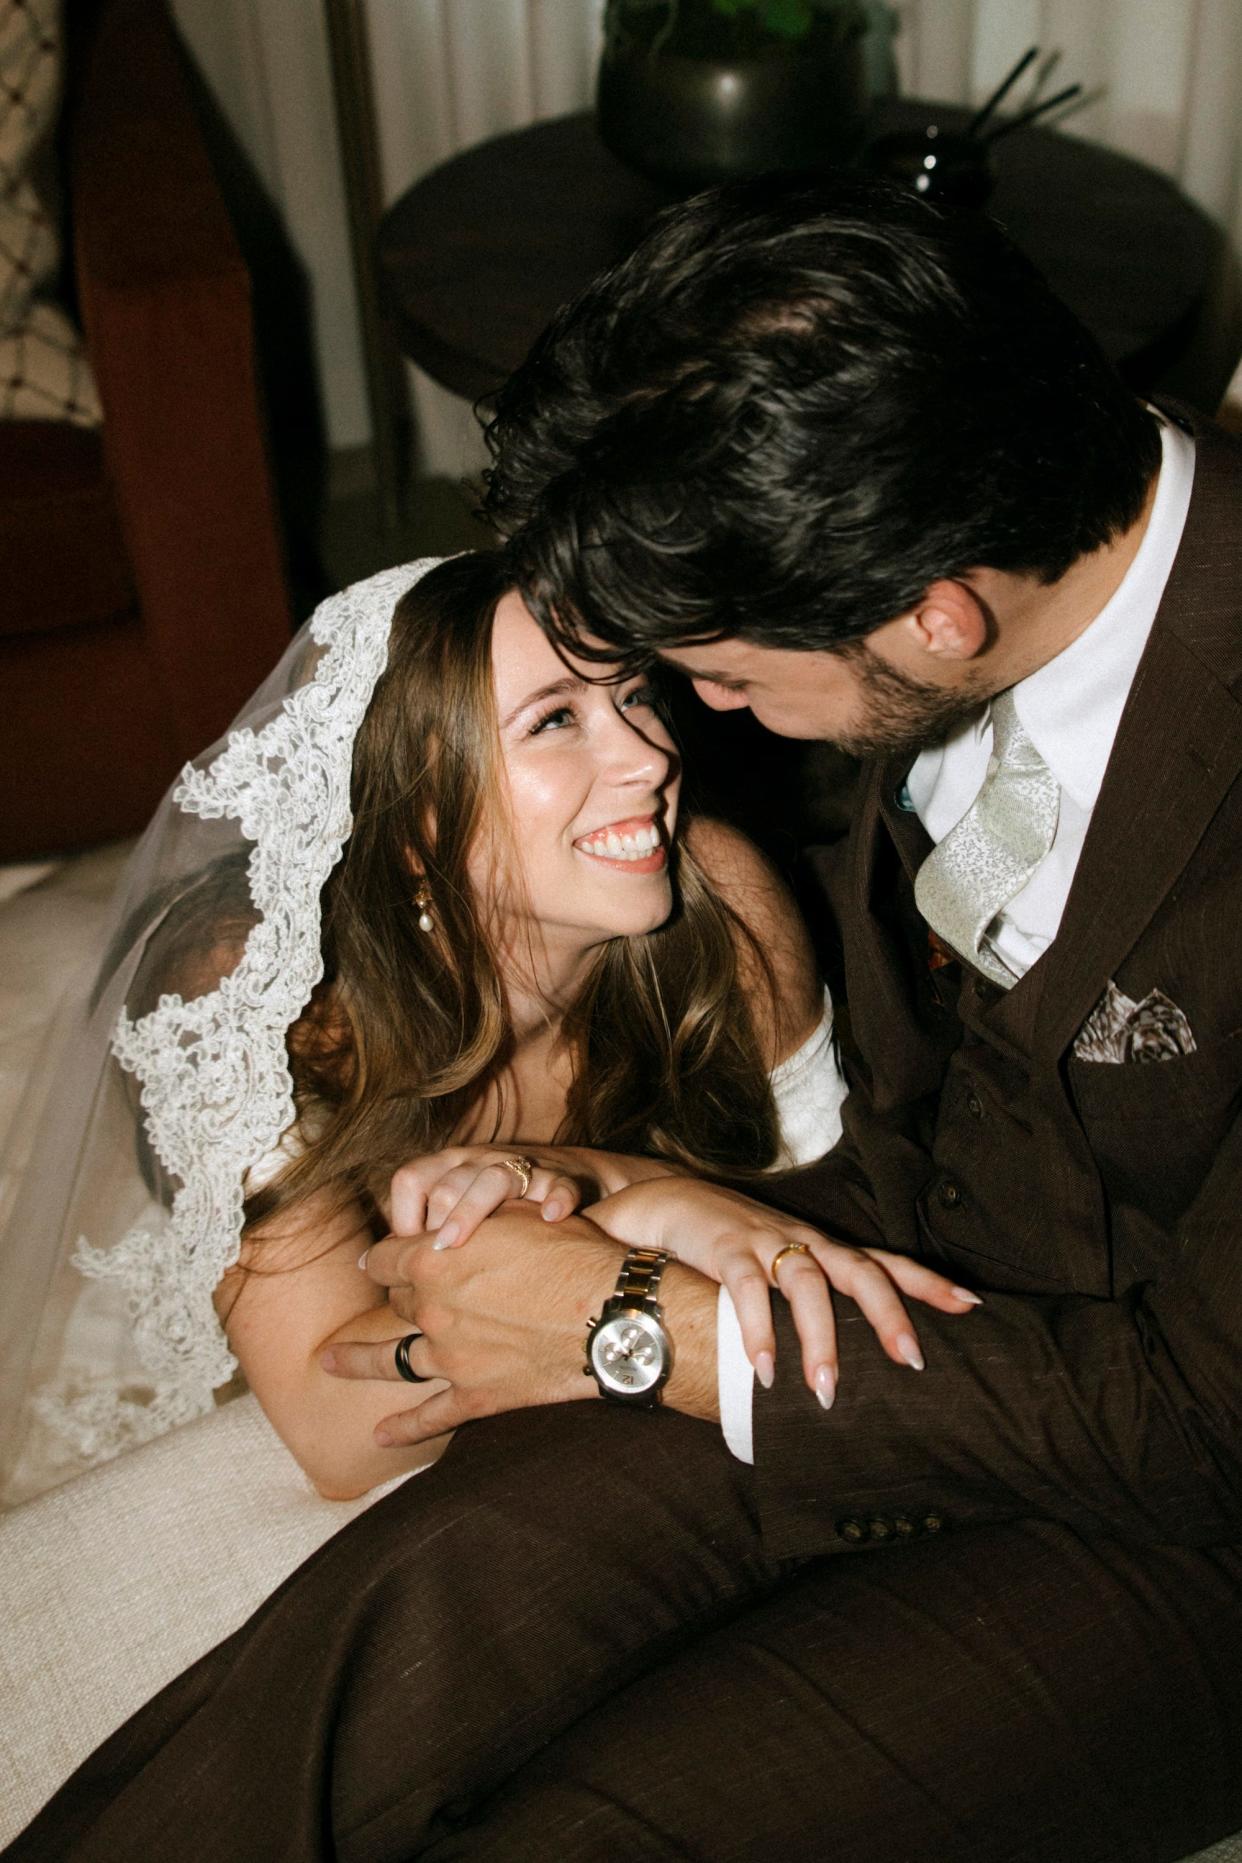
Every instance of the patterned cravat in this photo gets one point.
(988, 858)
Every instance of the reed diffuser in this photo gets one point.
(955, 166)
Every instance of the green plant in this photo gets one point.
(729, 28)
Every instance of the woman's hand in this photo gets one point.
(453, 1190)
(737, 1242)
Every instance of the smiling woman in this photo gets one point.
(571, 990)
(505, 935)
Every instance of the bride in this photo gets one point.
(436, 890)
(527, 943)
(436, 898)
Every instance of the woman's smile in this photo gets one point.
(634, 845)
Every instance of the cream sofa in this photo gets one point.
(115, 1582)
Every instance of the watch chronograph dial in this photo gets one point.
(629, 1354)
(631, 1347)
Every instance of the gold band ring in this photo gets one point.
(522, 1168)
(790, 1248)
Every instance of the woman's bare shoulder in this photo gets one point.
(754, 890)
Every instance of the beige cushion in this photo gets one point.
(115, 1582)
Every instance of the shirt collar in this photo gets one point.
(1071, 707)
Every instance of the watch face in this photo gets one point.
(630, 1354)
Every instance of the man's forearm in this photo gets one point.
(689, 1301)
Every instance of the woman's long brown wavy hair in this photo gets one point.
(409, 1031)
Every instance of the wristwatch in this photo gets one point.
(628, 1350)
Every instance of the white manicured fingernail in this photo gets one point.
(908, 1346)
(964, 1293)
(826, 1386)
(765, 1369)
(362, 1259)
(446, 1238)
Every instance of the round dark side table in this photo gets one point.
(476, 257)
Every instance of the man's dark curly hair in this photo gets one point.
(794, 406)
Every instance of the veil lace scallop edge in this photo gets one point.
(213, 1073)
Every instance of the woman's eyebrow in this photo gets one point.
(558, 686)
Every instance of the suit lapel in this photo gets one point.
(1178, 751)
(900, 1057)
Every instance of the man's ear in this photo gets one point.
(949, 621)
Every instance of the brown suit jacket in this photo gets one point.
(1098, 1207)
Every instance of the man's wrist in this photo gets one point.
(689, 1302)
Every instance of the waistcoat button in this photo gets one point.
(974, 1105)
(948, 1195)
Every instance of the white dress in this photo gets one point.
(151, 1559)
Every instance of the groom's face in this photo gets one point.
(856, 697)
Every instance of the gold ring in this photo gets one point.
(522, 1168)
(790, 1248)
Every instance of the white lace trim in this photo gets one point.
(214, 1076)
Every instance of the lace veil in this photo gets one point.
(167, 1079)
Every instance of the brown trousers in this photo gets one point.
(566, 1643)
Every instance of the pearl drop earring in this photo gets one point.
(422, 899)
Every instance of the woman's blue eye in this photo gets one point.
(641, 695)
(561, 712)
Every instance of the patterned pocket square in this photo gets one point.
(1119, 1029)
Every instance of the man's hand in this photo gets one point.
(505, 1320)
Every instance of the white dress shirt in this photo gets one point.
(1070, 708)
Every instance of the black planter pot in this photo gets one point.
(690, 122)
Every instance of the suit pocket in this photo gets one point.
(1186, 1086)
(1155, 1127)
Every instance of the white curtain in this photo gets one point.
(448, 73)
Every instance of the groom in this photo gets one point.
(843, 460)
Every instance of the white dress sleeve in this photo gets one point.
(808, 1090)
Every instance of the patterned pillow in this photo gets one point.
(44, 374)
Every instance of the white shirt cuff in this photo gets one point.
(736, 1381)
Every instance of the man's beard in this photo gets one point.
(901, 714)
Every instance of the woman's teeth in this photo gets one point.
(612, 846)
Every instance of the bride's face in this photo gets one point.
(592, 783)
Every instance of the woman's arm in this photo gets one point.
(297, 1288)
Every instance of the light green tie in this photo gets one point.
(987, 859)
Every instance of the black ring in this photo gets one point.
(402, 1356)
